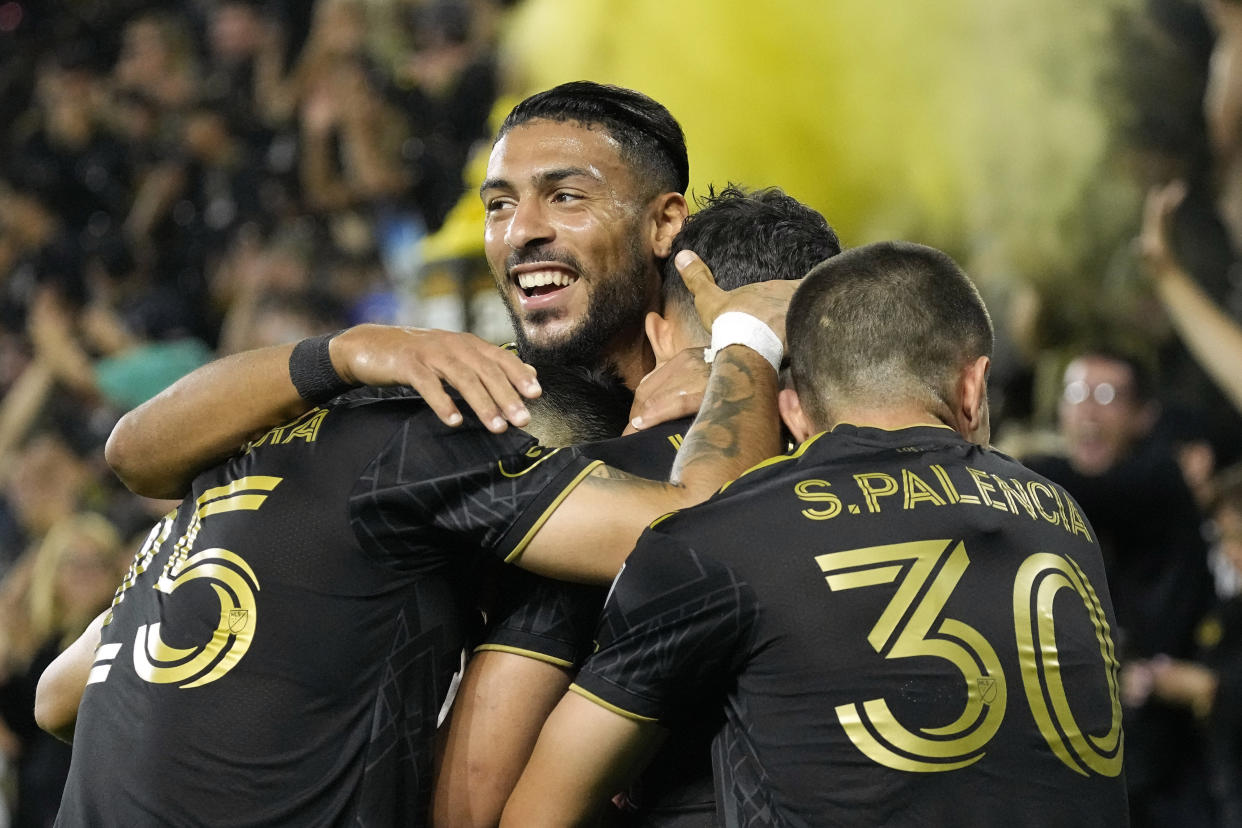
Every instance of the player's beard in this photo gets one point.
(617, 302)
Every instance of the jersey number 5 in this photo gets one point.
(230, 577)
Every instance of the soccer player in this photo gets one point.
(583, 196)
(901, 626)
(285, 641)
(542, 630)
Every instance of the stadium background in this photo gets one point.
(160, 205)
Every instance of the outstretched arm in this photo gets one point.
(1211, 336)
(157, 448)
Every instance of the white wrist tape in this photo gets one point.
(737, 328)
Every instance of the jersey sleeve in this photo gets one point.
(437, 488)
(674, 629)
(544, 619)
(555, 621)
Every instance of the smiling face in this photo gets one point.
(1101, 414)
(571, 241)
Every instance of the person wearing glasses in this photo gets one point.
(1126, 477)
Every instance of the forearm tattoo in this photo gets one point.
(740, 397)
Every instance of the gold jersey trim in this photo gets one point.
(778, 458)
(547, 513)
(589, 696)
(518, 651)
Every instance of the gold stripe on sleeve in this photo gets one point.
(587, 694)
(537, 656)
(547, 513)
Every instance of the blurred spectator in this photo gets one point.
(245, 48)
(1127, 480)
(1211, 685)
(127, 370)
(273, 298)
(65, 151)
(446, 83)
(1212, 336)
(1171, 58)
(338, 31)
(158, 58)
(46, 480)
(352, 139)
(46, 601)
(35, 252)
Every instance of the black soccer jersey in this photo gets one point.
(284, 642)
(903, 628)
(555, 621)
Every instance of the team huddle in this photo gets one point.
(435, 587)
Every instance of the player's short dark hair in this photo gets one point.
(651, 140)
(746, 237)
(883, 320)
(580, 404)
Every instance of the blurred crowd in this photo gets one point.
(182, 181)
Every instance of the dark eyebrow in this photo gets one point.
(492, 183)
(542, 180)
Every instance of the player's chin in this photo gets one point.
(551, 328)
(553, 344)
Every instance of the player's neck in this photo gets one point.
(632, 360)
(889, 418)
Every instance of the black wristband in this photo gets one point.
(310, 368)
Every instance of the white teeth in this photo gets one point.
(526, 281)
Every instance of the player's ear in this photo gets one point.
(794, 416)
(669, 213)
(972, 413)
(660, 334)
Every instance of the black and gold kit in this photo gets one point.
(902, 628)
(555, 622)
(286, 640)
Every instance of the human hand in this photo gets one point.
(1155, 239)
(320, 110)
(766, 301)
(491, 380)
(1184, 682)
(673, 390)
(50, 325)
(1136, 683)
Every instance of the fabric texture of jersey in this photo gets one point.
(284, 642)
(903, 628)
(555, 621)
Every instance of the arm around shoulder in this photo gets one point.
(590, 533)
(157, 448)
